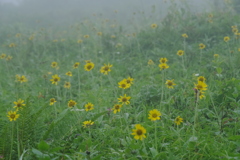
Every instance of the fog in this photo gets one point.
(44, 13)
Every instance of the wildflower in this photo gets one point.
(105, 69)
(201, 78)
(79, 41)
(201, 95)
(18, 35)
(163, 66)
(123, 84)
(76, 64)
(154, 115)
(87, 123)
(55, 40)
(55, 79)
(235, 30)
(89, 66)
(216, 55)
(113, 36)
(238, 49)
(116, 108)
(178, 120)
(69, 73)
(201, 46)
(19, 104)
(62, 40)
(72, 103)
(153, 26)
(150, 62)
(226, 39)
(124, 99)
(8, 58)
(12, 115)
(163, 60)
(31, 37)
(210, 21)
(210, 16)
(88, 61)
(52, 101)
(118, 45)
(54, 64)
(99, 33)
(12, 45)
(2, 56)
(22, 79)
(139, 132)
(184, 35)
(180, 52)
(201, 86)
(170, 83)
(67, 85)
(86, 36)
(129, 80)
(89, 106)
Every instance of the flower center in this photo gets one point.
(170, 83)
(154, 115)
(106, 68)
(117, 107)
(89, 66)
(55, 79)
(89, 107)
(199, 86)
(139, 132)
(124, 99)
(12, 116)
(19, 105)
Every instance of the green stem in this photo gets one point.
(196, 113)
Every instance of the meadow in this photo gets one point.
(97, 89)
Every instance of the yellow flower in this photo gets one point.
(226, 39)
(123, 84)
(99, 33)
(201, 86)
(201, 46)
(87, 123)
(170, 83)
(105, 69)
(8, 58)
(180, 52)
(89, 106)
(118, 45)
(201, 78)
(113, 36)
(163, 66)
(69, 73)
(18, 35)
(12, 45)
(116, 108)
(22, 79)
(31, 37)
(12, 115)
(52, 101)
(210, 16)
(238, 49)
(129, 80)
(201, 95)
(86, 36)
(76, 64)
(55, 79)
(139, 132)
(163, 60)
(72, 103)
(55, 40)
(19, 104)
(89, 66)
(150, 62)
(67, 85)
(79, 41)
(235, 30)
(178, 120)
(154, 115)
(216, 55)
(153, 26)
(124, 99)
(54, 64)
(3, 55)
(184, 35)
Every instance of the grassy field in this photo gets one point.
(166, 89)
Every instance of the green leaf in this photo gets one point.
(219, 70)
(43, 146)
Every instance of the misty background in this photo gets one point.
(45, 13)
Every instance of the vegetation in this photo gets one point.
(166, 89)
